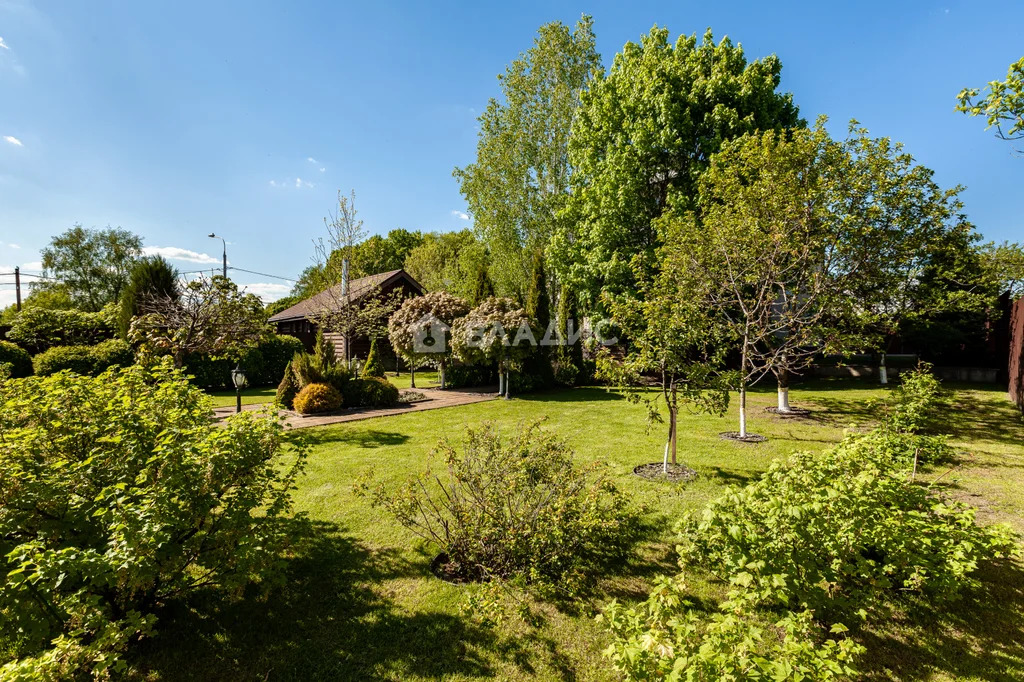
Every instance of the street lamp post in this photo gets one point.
(224, 270)
(238, 379)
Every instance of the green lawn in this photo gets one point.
(424, 379)
(250, 396)
(359, 601)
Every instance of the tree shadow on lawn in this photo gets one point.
(570, 395)
(981, 636)
(331, 620)
(352, 434)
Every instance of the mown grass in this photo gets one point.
(250, 396)
(359, 601)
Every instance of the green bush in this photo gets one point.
(374, 367)
(207, 372)
(38, 329)
(287, 389)
(77, 359)
(843, 533)
(16, 358)
(916, 404)
(463, 376)
(263, 364)
(371, 392)
(317, 398)
(668, 638)
(85, 360)
(119, 494)
(517, 508)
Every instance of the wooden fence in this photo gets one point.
(1017, 353)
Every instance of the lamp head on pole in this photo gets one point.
(238, 377)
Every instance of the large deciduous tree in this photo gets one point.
(448, 261)
(520, 178)
(1003, 104)
(92, 265)
(1005, 264)
(643, 136)
(414, 327)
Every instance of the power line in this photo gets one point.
(262, 274)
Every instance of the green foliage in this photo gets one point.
(374, 366)
(520, 178)
(1005, 265)
(1002, 106)
(54, 297)
(370, 392)
(37, 329)
(317, 398)
(149, 277)
(463, 376)
(92, 266)
(263, 363)
(915, 405)
(119, 494)
(643, 135)
(517, 508)
(843, 533)
(87, 360)
(413, 328)
(667, 638)
(16, 359)
(287, 389)
(489, 331)
(448, 261)
(384, 253)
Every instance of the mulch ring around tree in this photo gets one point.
(655, 471)
(455, 572)
(791, 413)
(749, 438)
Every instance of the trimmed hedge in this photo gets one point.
(370, 392)
(17, 360)
(317, 398)
(38, 329)
(264, 364)
(84, 360)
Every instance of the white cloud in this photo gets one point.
(14, 246)
(13, 140)
(323, 170)
(460, 215)
(311, 159)
(268, 291)
(175, 253)
(299, 183)
(4, 45)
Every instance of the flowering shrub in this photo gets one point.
(16, 359)
(667, 638)
(317, 398)
(117, 494)
(841, 532)
(516, 508)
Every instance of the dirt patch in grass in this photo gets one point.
(655, 471)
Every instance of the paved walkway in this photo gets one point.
(435, 399)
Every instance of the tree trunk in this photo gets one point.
(501, 382)
(508, 384)
(783, 378)
(672, 432)
(883, 375)
(440, 369)
(743, 389)
(412, 376)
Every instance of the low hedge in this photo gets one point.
(370, 392)
(264, 364)
(16, 359)
(84, 360)
(39, 329)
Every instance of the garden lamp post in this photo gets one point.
(224, 254)
(238, 379)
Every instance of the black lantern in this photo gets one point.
(238, 379)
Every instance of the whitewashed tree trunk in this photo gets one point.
(501, 382)
(783, 399)
(743, 409)
(664, 466)
(883, 375)
(441, 373)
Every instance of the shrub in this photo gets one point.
(18, 360)
(371, 392)
(462, 376)
(842, 532)
(119, 494)
(517, 508)
(667, 638)
(264, 364)
(38, 329)
(287, 389)
(374, 367)
(77, 359)
(207, 372)
(317, 398)
(112, 353)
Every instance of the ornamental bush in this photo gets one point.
(16, 359)
(287, 389)
(317, 398)
(669, 638)
(370, 392)
(374, 366)
(38, 329)
(516, 508)
(843, 532)
(118, 494)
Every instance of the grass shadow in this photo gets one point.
(979, 637)
(331, 620)
(354, 436)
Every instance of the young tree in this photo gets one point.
(769, 259)
(1002, 106)
(521, 175)
(497, 330)
(210, 316)
(644, 134)
(413, 328)
(93, 265)
(150, 277)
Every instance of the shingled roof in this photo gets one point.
(330, 298)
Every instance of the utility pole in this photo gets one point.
(17, 287)
(224, 270)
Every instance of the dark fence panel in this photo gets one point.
(1017, 353)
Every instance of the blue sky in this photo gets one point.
(175, 119)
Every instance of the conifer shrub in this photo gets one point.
(317, 399)
(288, 388)
(374, 366)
